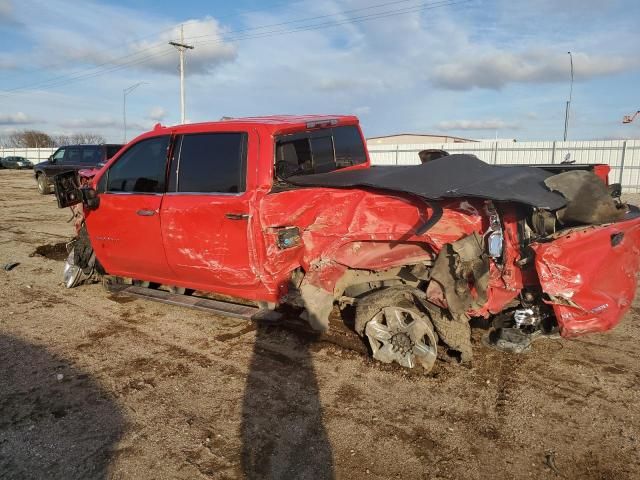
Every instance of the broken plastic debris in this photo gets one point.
(10, 266)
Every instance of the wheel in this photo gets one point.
(396, 329)
(43, 185)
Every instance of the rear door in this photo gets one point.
(125, 228)
(206, 216)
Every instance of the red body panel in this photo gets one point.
(590, 278)
(126, 243)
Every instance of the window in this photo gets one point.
(348, 146)
(112, 150)
(91, 155)
(59, 155)
(73, 156)
(210, 163)
(141, 169)
(319, 151)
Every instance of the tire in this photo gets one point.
(396, 328)
(43, 184)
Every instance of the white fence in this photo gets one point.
(623, 156)
(36, 155)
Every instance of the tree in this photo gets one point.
(79, 138)
(30, 139)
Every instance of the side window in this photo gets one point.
(59, 155)
(73, 156)
(141, 169)
(111, 151)
(210, 163)
(91, 155)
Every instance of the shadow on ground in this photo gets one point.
(55, 421)
(282, 431)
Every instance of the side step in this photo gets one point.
(214, 306)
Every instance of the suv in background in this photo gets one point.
(71, 157)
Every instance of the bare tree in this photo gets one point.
(79, 138)
(30, 139)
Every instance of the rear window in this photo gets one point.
(319, 151)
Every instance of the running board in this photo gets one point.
(229, 309)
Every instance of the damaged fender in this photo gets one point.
(589, 275)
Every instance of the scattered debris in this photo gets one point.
(10, 266)
(550, 461)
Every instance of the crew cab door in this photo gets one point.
(125, 228)
(206, 214)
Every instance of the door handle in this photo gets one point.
(237, 216)
(146, 213)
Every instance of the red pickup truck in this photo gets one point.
(287, 210)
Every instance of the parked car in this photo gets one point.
(71, 158)
(16, 162)
(287, 211)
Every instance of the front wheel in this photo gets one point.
(396, 329)
(43, 184)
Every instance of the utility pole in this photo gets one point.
(181, 46)
(566, 112)
(125, 92)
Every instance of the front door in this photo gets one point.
(206, 217)
(125, 228)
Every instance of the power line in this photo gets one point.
(96, 71)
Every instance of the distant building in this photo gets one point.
(415, 138)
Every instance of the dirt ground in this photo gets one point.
(94, 385)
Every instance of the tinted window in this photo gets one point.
(73, 156)
(323, 156)
(348, 146)
(141, 168)
(112, 150)
(211, 163)
(91, 155)
(319, 151)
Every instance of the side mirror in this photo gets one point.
(50, 159)
(90, 198)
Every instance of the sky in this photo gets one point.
(475, 69)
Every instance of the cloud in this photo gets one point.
(153, 54)
(6, 12)
(499, 68)
(101, 122)
(493, 124)
(157, 114)
(18, 118)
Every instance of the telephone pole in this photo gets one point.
(181, 46)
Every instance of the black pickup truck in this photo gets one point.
(71, 157)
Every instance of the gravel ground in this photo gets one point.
(94, 385)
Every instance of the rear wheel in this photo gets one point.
(43, 184)
(396, 329)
